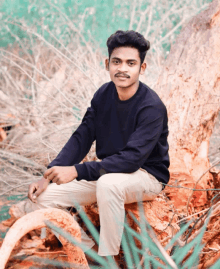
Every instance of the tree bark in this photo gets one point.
(189, 85)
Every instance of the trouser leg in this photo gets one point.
(113, 191)
(66, 195)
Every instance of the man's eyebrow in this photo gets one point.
(116, 58)
(129, 60)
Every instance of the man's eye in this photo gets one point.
(115, 62)
(131, 63)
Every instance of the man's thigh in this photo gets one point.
(66, 195)
(133, 187)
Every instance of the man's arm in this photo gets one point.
(134, 154)
(80, 142)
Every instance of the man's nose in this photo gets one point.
(122, 67)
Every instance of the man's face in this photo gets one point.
(125, 67)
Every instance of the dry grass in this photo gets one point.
(43, 98)
(44, 94)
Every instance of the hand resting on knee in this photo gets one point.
(36, 188)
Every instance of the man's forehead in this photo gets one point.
(127, 53)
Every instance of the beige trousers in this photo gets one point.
(111, 192)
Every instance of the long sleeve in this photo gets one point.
(80, 142)
(138, 148)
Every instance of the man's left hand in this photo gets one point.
(61, 174)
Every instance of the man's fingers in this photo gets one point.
(51, 176)
(34, 197)
(58, 182)
(36, 194)
(48, 172)
(55, 179)
(31, 192)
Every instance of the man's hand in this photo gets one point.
(36, 188)
(61, 174)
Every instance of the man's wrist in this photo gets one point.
(45, 179)
(75, 172)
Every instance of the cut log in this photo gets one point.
(36, 220)
(189, 85)
(159, 214)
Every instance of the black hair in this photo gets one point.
(128, 39)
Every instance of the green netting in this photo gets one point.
(94, 19)
(18, 197)
(4, 209)
(4, 212)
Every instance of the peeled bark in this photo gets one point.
(189, 85)
(35, 220)
(159, 214)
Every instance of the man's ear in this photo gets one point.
(143, 67)
(107, 64)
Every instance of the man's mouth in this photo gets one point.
(122, 76)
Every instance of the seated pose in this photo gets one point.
(128, 121)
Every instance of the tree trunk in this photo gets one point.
(189, 85)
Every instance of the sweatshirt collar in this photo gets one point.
(128, 100)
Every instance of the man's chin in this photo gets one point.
(122, 84)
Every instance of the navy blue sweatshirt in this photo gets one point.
(129, 134)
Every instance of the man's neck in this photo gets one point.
(126, 93)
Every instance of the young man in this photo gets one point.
(129, 123)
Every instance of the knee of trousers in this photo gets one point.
(45, 200)
(107, 188)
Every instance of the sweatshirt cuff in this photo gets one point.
(90, 171)
(81, 170)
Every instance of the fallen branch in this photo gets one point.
(36, 220)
